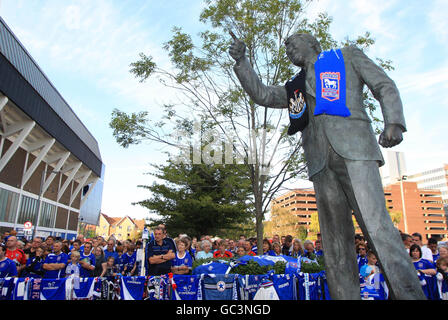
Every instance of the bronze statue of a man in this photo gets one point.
(343, 159)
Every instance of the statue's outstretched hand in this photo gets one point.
(238, 48)
(391, 136)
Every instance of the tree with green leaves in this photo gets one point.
(199, 199)
(202, 74)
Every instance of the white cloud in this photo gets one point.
(96, 41)
(73, 17)
(437, 17)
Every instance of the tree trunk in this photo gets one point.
(259, 224)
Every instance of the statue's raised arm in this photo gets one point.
(267, 96)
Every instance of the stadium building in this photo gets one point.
(51, 171)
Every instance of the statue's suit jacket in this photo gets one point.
(353, 137)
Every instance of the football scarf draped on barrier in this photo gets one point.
(220, 287)
(84, 289)
(6, 288)
(53, 289)
(330, 84)
(309, 288)
(21, 288)
(374, 288)
(131, 288)
(187, 287)
(212, 268)
(248, 286)
(285, 286)
(266, 291)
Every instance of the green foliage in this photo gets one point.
(143, 68)
(302, 233)
(129, 129)
(313, 267)
(199, 199)
(181, 51)
(253, 268)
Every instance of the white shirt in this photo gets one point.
(427, 253)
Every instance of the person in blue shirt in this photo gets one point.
(160, 252)
(361, 250)
(110, 249)
(277, 248)
(87, 261)
(296, 250)
(110, 269)
(50, 242)
(121, 259)
(191, 251)
(267, 248)
(34, 264)
(421, 265)
(253, 243)
(432, 245)
(183, 262)
(206, 252)
(318, 248)
(371, 267)
(308, 247)
(73, 267)
(55, 263)
(76, 246)
(7, 266)
(426, 271)
(131, 260)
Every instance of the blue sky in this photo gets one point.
(85, 48)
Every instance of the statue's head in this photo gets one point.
(302, 48)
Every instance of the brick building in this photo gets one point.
(423, 208)
(300, 202)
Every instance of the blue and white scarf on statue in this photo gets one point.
(330, 84)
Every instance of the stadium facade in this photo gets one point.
(51, 171)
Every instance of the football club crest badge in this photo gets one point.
(330, 85)
(296, 105)
(221, 286)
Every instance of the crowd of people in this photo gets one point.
(98, 257)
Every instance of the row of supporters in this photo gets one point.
(100, 258)
(81, 262)
(165, 255)
(175, 287)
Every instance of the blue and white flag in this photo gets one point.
(131, 288)
(85, 290)
(187, 287)
(53, 289)
(213, 267)
(220, 287)
(285, 286)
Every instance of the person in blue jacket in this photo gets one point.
(267, 248)
(425, 269)
(7, 266)
(34, 265)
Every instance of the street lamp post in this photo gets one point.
(39, 206)
(403, 204)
